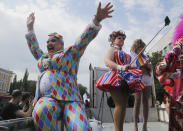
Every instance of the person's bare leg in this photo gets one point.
(136, 109)
(167, 106)
(145, 102)
(124, 103)
(120, 100)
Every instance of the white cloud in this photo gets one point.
(20, 75)
(128, 3)
(14, 51)
(49, 18)
(103, 2)
(57, 16)
(146, 5)
(175, 10)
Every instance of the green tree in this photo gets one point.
(160, 92)
(13, 84)
(31, 86)
(23, 84)
(19, 85)
(82, 90)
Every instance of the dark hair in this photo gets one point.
(25, 96)
(87, 104)
(115, 34)
(16, 93)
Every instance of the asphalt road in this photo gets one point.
(151, 126)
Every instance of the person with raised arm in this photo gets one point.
(57, 89)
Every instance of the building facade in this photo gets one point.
(5, 80)
(164, 44)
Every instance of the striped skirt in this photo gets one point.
(114, 79)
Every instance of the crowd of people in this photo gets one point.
(57, 93)
(20, 105)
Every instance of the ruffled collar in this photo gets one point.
(116, 47)
(46, 55)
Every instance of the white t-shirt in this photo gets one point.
(44, 81)
(146, 79)
(133, 56)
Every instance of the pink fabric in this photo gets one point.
(178, 31)
(171, 79)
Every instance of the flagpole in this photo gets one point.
(167, 22)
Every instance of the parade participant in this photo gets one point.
(57, 87)
(119, 81)
(143, 64)
(169, 73)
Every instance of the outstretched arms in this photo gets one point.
(30, 22)
(31, 38)
(91, 31)
(102, 13)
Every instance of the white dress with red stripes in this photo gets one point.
(113, 79)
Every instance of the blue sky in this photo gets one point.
(138, 18)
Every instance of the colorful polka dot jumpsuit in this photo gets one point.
(63, 93)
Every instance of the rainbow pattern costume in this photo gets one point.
(113, 79)
(172, 81)
(63, 93)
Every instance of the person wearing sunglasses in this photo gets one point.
(120, 80)
(57, 88)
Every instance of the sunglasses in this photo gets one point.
(121, 37)
(52, 40)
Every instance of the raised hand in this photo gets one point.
(103, 13)
(30, 22)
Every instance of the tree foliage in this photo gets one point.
(155, 58)
(13, 84)
(23, 84)
(82, 89)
